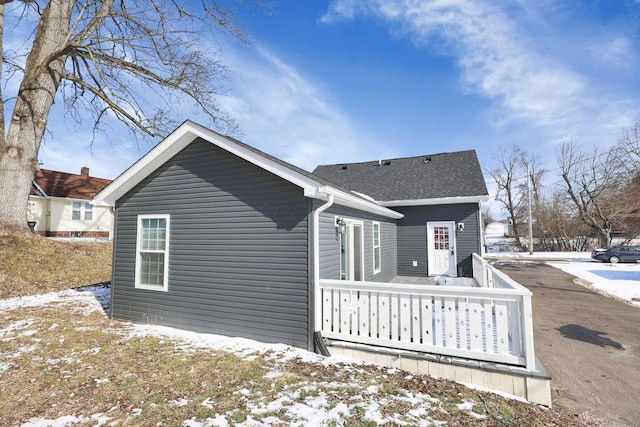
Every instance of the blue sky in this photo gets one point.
(349, 80)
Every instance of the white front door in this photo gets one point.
(441, 253)
(351, 252)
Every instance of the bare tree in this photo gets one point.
(628, 150)
(128, 59)
(594, 184)
(628, 162)
(510, 177)
(557, 226)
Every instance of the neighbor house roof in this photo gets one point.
(49, 183)
(443, 178)
(312, 185)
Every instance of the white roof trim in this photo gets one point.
(436, 201)
(188, 132)
(45, 195)
(176, 141)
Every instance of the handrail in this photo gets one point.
(485, 323)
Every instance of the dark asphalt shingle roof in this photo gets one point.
(434, 176)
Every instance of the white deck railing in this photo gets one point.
(484, 323)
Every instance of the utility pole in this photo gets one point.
(530, 216)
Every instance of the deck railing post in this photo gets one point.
(527, 333)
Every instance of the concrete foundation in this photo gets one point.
(517, 381)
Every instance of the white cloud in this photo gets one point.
(340, 11)
(615, 51)
(500, 58)
(288, 115)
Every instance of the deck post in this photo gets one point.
(527, 332)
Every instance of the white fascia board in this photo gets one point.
(189, 132)
(45, 195)
(179, 139)
(349, 200)
(437, 201)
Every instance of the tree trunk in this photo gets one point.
(19, 151)
(604, 237)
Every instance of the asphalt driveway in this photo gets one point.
(589, 343)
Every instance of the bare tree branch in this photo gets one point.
(127, 60)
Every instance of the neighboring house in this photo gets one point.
(497, 229)
(439, 196)
(213, 235)
(60, 205)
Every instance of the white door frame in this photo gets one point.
(352, 241)
(442, 261)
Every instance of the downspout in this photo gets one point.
(481, 230)
(113, 257)
(317, 312)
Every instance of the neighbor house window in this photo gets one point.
(376, 247)
(152, 254)
(88, 212)
(81, 210)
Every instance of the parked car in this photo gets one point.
(615, 254)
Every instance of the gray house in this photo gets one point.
(439, 196)
(212, 235)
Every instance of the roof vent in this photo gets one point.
(427, 159)
(387, 163)
(344, 167)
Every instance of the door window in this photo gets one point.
(441, 238)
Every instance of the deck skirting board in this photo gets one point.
(533, 386)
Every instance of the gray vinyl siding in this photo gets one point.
(412, 236)
(330, 245)
(238, 249)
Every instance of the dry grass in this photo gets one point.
(36, 265)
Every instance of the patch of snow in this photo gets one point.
(619, 280)
(207, 403)
(180, 402)
(99, 381)
(84, 302)
(13, 326)
(58, 422)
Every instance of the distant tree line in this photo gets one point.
(595, 198)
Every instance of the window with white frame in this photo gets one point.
(81, 211)
(152, 252)
(376, 248)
